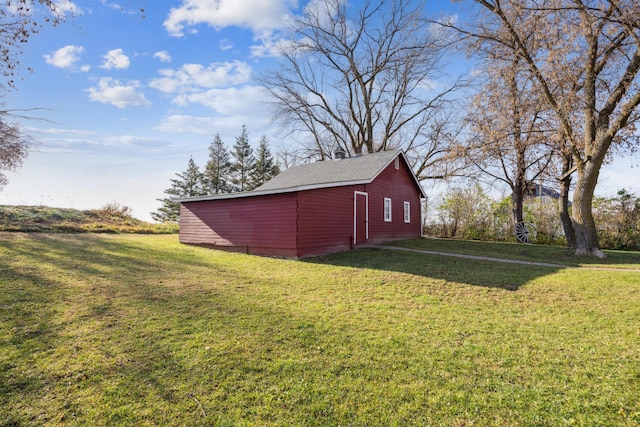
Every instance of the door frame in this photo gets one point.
(355, 216)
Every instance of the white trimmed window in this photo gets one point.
(396, 164)
(387, 209)
(407, 211)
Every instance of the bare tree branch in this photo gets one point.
(365, 79)
(583, 56)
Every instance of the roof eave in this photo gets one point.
(244, 194)
(307, 187)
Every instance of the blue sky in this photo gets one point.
(128, 95)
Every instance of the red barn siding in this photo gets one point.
(260, 225)
(325, 220)
(399, 186)
(304, 223)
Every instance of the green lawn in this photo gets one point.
(518, 251)
(140, 330)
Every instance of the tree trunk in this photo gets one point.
(583, 222)
(563, 203)
(517, 202)
(565, 217)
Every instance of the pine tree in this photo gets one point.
(264, 168)
(218, 168)
(189, 183)
(243, 162)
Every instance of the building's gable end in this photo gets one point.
(397, 187)
(404, 163)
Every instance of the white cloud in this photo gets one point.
(163, 56)
(115, 58)
(125, 9)
(110, 91)
(323, 11)
(61, 139)
(270, 45)
(67, 6)
(111, 5)
(257, 15)
(225, 44)
(188, 124)
(129, 140)
(244, 101)
(191, 77)
(57, 131)
(232, 108)
(228, 127)
(65, 57)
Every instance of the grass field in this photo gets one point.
(140, 330)
(111, 218)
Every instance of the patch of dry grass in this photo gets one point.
(111, 218)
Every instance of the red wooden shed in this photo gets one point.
(312, 209)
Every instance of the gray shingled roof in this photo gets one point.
(349, 170)
(328, 173)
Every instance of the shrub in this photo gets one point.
(471, 214)
(113, 210)
(464, 213)
(618, 221)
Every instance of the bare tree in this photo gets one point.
(365, 78)
(14, 147)
(584, 57)
(508, 131)
(19, 20)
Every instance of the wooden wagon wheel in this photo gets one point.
(526, 232)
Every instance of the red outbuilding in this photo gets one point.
(312, 209)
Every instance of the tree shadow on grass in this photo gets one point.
(136, 333)
(108, 330)
(508, 276)
(71, 308)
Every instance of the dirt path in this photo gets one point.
(503, 260)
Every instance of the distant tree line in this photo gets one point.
(239, 169)
(469, 213)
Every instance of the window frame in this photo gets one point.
(407, 212)
(387, 210)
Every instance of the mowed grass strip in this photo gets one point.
(140, 330)
(522, 252)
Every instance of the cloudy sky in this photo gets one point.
(128, 90)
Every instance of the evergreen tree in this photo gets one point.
(218, 168)
(243, 162)
(189, 183)
(264, 168)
